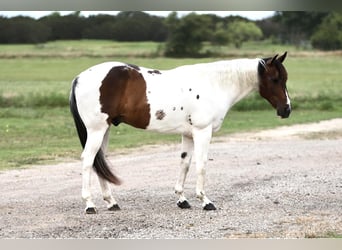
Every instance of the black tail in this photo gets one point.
(100, 164)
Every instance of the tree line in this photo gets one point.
(126, 26)
(182, 35)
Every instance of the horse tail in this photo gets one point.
(100, 165)
(80, 127)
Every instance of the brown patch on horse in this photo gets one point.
(123, 97)
(160, 114)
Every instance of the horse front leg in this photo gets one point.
(186, 155)
(202, 139)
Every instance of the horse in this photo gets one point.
(190, 100)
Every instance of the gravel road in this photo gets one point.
(281, 183)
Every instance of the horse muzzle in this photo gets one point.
(284, 112)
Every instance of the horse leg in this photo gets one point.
(105, 142)
(187, 150)
(92, 146)
(202, 139)
(107, 195)
(105, 185)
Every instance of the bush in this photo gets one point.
(242, 31)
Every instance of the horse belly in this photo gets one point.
(177, 113)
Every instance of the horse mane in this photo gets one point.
(262, 62)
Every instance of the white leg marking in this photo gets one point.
(107, 193)
(202, 139)
(93, 144)
(86, 181)
(187, 149)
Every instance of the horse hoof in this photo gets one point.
(91, 210)
(209, 206)
(115, 207)
(183, 204)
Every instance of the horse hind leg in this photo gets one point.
(92, 146)
(107, 195)
(105, 185)
(187, 150)
(105, 142)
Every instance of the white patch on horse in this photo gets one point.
(227, 81)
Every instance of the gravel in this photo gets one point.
(278, 186)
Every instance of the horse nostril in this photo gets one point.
(287, 111)
(287, 107)
(284, 112)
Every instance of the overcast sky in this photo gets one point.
(253, 15)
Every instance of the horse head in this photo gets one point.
(272, 87)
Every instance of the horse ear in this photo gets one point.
(271, 61)
(282, 58)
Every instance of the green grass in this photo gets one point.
(317, 78)
(329, 235)
(251, 49)
(36, 125)
(38, 135)
(107, 49)
(85, 48)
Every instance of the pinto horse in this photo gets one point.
(191, 100)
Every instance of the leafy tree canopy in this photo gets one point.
(329, 33)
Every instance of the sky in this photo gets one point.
(252, 15)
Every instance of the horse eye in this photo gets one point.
(273, 79)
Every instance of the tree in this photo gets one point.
(220, 36)
(138, 26)
(187, 34)
(270, 29)
(22, 29)
(99, 27)
(329, 34)
(297, 26)
(65, 27)
(242, 31)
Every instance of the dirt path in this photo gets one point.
(270, 184)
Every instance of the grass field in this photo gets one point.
(36, 125)
(107, 49)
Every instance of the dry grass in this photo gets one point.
(330, 135)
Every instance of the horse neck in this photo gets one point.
(238, 78)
